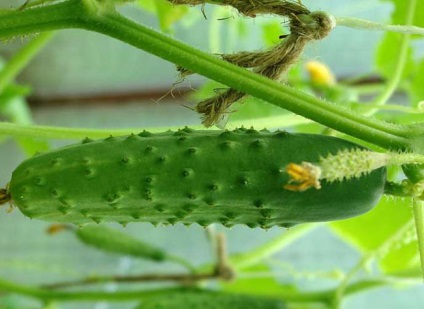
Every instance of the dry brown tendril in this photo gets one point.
(304, 25)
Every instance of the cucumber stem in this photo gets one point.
(77, 14)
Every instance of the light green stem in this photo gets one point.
(21, 59)
(45, 294)
(364, 24)
(324, 296)
(49, 132)
(418, 206)
(244, 260)
(75, 14)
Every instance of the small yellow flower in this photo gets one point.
(304, 176)
(56, 228)
(320, 74)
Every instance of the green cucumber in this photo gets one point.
(198, 299)
(204, 177)
(108, 239)
(112, 240)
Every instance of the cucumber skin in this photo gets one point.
(204, 177)
(210, 300)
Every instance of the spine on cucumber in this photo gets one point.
(204, 177)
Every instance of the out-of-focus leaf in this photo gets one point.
(12, 91)
(416, 89)
(248, 108)
(16, 110)
(167, 13)
(148, 5)
(389, 47)
(402, 258)
(400, 12)
(251, 107)
(387, 53)
(271, 32)
(383, 227)
(256, 286)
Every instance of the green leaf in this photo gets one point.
(167, 13)
(256, 286)
(11, 91)
(401, 258)
(148, 5)
(386, 231)
(416, 89)
(387, 53)
(400, 12)
(271, 32)
(16, 110)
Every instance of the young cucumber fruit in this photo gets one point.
(204, 177)
(203, 299)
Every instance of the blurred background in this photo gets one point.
(86, 80)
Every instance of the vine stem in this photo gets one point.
(418, 206)
(364, 24)
(46, 294)
(43, 294)
(80, 14)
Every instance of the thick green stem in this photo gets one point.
(74, 14)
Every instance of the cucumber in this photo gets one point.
(198, 299)
(112, 240)
(188, 176)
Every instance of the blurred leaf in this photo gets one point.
(387, 53)
(382, 227)
(271, 32)
(402, 258)
(167, 13)
(12, 91)
(148, 5)
(268, 286)
(16, 110)
(400, 11)
(248, 108)
(251, 107)
(416, 89)
(389, 47)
